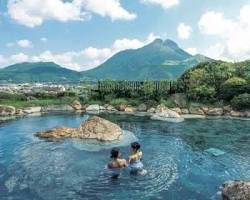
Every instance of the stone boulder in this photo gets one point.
(102, 108)
(178, 110)
(19, 112)
(165, 114)
(76, 105)
(7, 110)
(121, 107)
(60, 132)
(185, 111)
(142, 107)
(151, 110)
(95, 108)
(160, 108)
(100, 129)
(130, 109)
(205, 109)
(247, 113)
(215, 112)
(235, 190)
(196, 111)
(31, 110)
(110, 108)
(238, 114)
(227, 109)
(94, 128)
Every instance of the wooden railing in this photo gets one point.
(155, 86)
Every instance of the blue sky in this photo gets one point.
(81, 34)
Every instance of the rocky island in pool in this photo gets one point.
(93, 128)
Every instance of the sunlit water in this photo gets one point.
(175, 157)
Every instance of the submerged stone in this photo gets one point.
(11, 183)
(215, 152)
(167, 119)
(191, 116)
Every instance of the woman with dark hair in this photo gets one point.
(116, 163)
(135, 164)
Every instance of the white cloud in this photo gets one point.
(232, 32)
(2, 61)
(215, 23)
(64, 59)
(184, 31)
(166, 4)
(191, 50)
(94, 53)
(20, 43)
(44, 39)
(215, 51)
(33, 13)
(108, 8)
(87, 58)
(12, 59)
(20, 57)
(25, 43)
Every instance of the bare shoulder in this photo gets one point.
(122, 162)
(139, 155)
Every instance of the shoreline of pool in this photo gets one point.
(39, 112)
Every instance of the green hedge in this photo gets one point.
(232, 87)
(241, 101)
(10, 96)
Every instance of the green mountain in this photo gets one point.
(38, 72)
(155, 61)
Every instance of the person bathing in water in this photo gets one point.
(116, 163)
(135, 164)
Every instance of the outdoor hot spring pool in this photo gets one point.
(175, 156)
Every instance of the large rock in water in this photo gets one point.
(31, 110)
(165, 114)
(7, 110)
(95, 108)
(215, 112)
(94, 128)
(76, 105)
(235, 190)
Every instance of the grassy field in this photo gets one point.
(40, 102)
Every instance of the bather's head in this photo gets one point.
(135, 146)
(115, 153)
